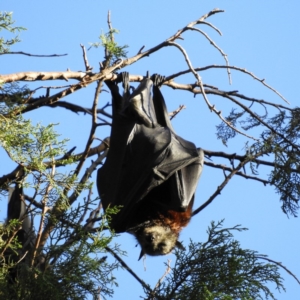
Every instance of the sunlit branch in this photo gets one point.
(210, 106)
(243, 70)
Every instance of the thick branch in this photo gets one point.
(35, 76)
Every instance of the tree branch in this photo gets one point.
(35, 55)
(280, 265)
(88, 68)
(127, 268)
(225, 168)
(220, 187)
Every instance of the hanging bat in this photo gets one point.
(150, 172)
(17, 209)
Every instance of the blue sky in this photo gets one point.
(261, 36)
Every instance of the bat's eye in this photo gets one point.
(161, 246)
(151, 237)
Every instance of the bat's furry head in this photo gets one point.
(157, 240)
(159, 234)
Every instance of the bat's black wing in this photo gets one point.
(146, 161)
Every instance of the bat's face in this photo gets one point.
(156, 240)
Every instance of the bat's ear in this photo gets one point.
(141, 254)
(179, 245)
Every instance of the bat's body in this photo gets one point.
(26, 237)
(150, 171)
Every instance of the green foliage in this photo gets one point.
(112, 50)
(280, 142)
(219, 269)
(29, 144)
(12, 96)
(6, 23)
(12, 246)
(72, 264)
(224, 132)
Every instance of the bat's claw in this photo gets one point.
(158, 80)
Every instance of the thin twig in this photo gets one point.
(174, 113)
(212, 26)
(86, 63)
(92, 131)
(9, 240)
(35, 55)
(168, 270)
(225, 168)
(126, 267)
(280, 265)
(218, 48)
(210, 106)
(243, 70)
(56, 209)
(220, 188)
(77, 108)
(43, 215)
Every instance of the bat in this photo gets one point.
(150, 171)
(17, 209)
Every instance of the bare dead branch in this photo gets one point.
(93, 129)
(174, 113)
(177, 35)
(109, 24)
(77, 109)
(168, 270)
(142, 48)
(88, 80)
(218, 48)
(226, 168)
(88, 68)
(243, 70)
(35, 55)
(210, 106)
(212, 26)
(35, 76)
